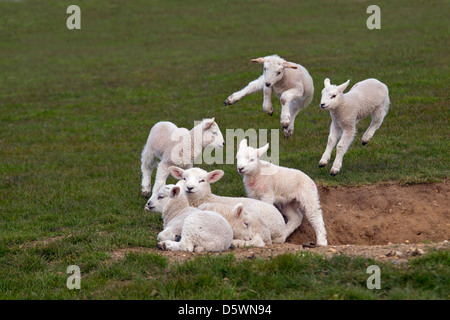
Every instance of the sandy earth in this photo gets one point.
(386, 222)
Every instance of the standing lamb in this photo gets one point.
(200, 230)
(368, 97)
(198, 190)
(175, 146)
(291, 190)
(249, 228)
(290, 82)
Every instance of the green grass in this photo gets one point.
(76, 108)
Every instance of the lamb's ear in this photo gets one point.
(243, 144)
(262, 150)
(238, 209)
(207, 123)
(326, 82)
(175, 191)
(343, 86)
(214, 176)
(289, 65)
(258, 60)
(176, 172)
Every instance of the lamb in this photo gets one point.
(366, 97)
(289, 189)
(164, 144)
(249, 229)
(200, 230)
(198, 190)
(290, 82)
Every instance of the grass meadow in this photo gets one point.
(76, 107)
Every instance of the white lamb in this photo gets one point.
(198, 190)
(249, 229)
(200, 230)
(368, 97)
(175, 146)
(290, 82)
(290, 190)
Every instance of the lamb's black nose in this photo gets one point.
(322, 105)
(267, 84)
(190, 188)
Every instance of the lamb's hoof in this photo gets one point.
(287, 133)
(309, 245)
(365, 142)
(146, 194)
(227, 102)
(161, 245)
(321, 165)
(177, 238)
(333, 173)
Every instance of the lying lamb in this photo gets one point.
(200, 230)
(163, 143)
(249, 229)
(198, 190)
(291, 190)
(368, 97)
(290, 82)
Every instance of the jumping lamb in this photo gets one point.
(249, 228)
(368, 97)
(289, 81)
(289, 189)
(200, 230)
(198, 190)
(175, 146)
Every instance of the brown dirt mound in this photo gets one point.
(381, 214)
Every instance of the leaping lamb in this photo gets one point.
(289, 81)
(368, 97)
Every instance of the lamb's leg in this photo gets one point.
(377, 120)
(341, 149)
(335, 134)
(294, 218)
(148, 163)
(267, 102)
(313, 213)
(162, 172)
(294, 109)
(252, 87)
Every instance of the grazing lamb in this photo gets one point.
(198, 190)
(291, 190)
(163, 143)
(290, 82)
(249, 228)
(366, 97)
(200, 230)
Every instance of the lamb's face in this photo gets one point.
(196, 181)
(212, 136)
(247, 158)
(273, 72)
(242, 226)
(158, 201)
(332, 95)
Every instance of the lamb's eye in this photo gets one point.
(265, 69)
(184, 179)
(201, 181)
(160, 197)
(215, 133)
(278, 73)
(333, 96)
(251, 160)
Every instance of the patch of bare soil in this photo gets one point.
(384, 222)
